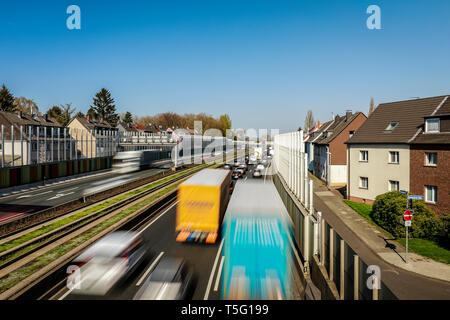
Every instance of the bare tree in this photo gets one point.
(25, 105)
(309, 121)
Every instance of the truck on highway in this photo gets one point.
(257, 249)
(202, 201)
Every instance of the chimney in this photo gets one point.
(348, 114)
(101, 120)
(20, 115)
(88, 118)
(46, 117)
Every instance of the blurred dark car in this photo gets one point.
(237, 173)
(172, 279)
(232, 183)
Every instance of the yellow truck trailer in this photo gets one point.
(202, 201)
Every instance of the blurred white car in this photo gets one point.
(110, 260)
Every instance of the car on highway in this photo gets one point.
(260, 167)
(237, 173)
(106, 263)
(243, 167)
(172, 279)
(227, 166)
(257, 173)
(232, 183)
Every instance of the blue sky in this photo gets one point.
(263, 62)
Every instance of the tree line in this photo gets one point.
(103, 107)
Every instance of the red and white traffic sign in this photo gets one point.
(407, 216)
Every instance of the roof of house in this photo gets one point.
(339, 124)
(313, 136)
(22, 119)
(410, 118)
(91, 124)
(127, 127)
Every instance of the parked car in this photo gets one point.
(172, 279)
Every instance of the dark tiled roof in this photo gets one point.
(313, 136)
(91, 124)
(126, 127)
(432, 138)
(410, 117)
(337, 127)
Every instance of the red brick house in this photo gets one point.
(430, 159)
(330, 150)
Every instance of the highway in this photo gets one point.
(205, 260)
(19, 204)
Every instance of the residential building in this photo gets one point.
(404, 145)
(313, 135)
(33, 138)
(330, 151)
(94, 138)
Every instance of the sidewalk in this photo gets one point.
(351, 225)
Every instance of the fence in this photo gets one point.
(22, 146)
(339, 266)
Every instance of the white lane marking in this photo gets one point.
(65, 294)
(33, 195)
(69, 189)
(212, 271)
(219, 273)
(59, 195)
(153, 221)
(150, 268)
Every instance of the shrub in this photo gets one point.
(444, 237)
(387, 212)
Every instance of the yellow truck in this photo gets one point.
(202, 201)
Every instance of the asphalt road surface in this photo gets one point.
(19, 204)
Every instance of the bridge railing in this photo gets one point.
(333, 265)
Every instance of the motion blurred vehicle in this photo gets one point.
(260, 167)
(130, 161)
(237, 173)
(171, 279)
(258, 257)
(107, 262)
(202, 200)
(227, 166)
(243, 167)
(232, 183)
(257, 173)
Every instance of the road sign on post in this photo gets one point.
(415, 197)
(407, 215)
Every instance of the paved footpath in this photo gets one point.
(420, 278)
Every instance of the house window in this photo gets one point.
(394, 157)
(431, 159)
(364, 155)
(391, 126)
(394, 185)
(364, 182)
(432, 125)
(431, 194)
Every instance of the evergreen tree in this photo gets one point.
(127, 118)
(6, 99)
(103, 107)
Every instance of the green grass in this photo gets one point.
(363, 209)
(428, 248)
(57, 224)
